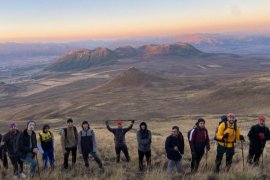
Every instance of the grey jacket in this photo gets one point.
(144, 140)
(87, 141)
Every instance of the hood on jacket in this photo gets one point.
(143, 123)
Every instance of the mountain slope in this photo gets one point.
(84, 58)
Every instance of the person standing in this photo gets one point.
(119, 138)
(227, 134)
(69, 142)
(174, 146)
(87, 145)
(144, 139)
(10, 141)
(27, 148)
(45, 145)
(3, 153)
(198, 141)
(258, 135)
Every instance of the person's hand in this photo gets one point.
(64, 151)
(242, 138)
(225, 136)
(208, 148)
(261, 136)
(133, 121)
(35, 150)
(107, 122)
(175, 148)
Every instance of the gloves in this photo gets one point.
(107, 122)
(261, 136)
(225, 136)
(208, 148)
(242, 138)
(132, 121)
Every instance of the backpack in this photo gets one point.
(226, 126)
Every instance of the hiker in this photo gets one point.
(227, 134)
(258, 135)
(174, 147)
(87, 145)
(10, 141)
(69, 142)
(198, 141)
(144, 139)
(3, 155)
(119, 138)
(27, 147)
(45, 143)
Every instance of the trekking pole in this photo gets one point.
(262, 159)
(206, 156)
(243, 157)
(38, 167)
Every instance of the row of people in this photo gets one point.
(22, 147)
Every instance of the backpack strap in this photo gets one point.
(75, 133)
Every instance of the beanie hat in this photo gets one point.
(12, 125)
(261, 118)
(119, 122)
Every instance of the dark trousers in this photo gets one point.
(15, 161)
(48, 154)
(229, 155)
(94, 155)
(74, 154)
(147, 154)
(254, 153)
(118, 149)
(3, 157)
(195, 162)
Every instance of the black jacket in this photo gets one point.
(254, 132)
(24, 143)
(170, 143)
(11, 142)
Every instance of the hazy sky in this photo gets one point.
(35, 20)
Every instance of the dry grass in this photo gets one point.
(160, 129)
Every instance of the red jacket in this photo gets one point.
(199, 139)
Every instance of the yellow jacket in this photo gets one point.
(233, 135)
